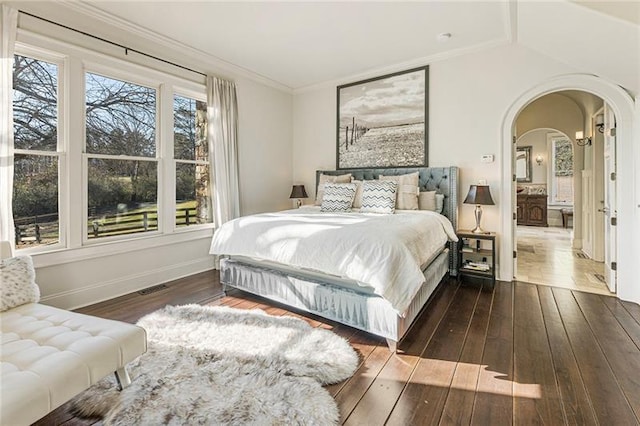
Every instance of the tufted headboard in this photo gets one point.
(444, 180)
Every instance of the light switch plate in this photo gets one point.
(488, 158)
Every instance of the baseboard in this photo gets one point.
(77, 298)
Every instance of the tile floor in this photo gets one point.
(545, 257)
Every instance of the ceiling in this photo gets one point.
(302, 44)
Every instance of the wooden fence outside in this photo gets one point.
(45, 227)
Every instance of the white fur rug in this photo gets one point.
(219, 365)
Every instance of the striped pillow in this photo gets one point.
(338, 197)
(379, 196)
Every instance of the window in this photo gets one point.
(122, 168)
(38, 155)
(561, 179)
(105, 152)
(191, 153)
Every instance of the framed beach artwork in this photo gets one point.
(383, 122)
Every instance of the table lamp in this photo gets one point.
(480, 196)
(298, 192)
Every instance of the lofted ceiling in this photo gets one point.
(299, 44)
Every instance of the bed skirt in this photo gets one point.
(367, 312)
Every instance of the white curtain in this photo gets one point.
(9, 24)
(222, 116)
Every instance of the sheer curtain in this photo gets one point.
(222, 116)
(9, 24)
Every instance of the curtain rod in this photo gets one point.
(126, 49)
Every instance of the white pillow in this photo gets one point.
(338, 197)
(357, 200)
(439, 203)
(324, 179)
(431, 200)
(408, 190)
(379, 196)
(17, 282)
(427, 200)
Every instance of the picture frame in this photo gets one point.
(383, 122)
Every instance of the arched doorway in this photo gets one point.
(622, 106)
(551, 249)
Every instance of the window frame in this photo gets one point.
(127, 77)
(202, 97)
(60, 61)
(552, 139)
(73, 197)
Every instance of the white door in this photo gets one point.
(609, 208)
(514, 208)
(587, 209)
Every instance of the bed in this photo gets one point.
(337, 288)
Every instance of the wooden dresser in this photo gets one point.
(532, 210)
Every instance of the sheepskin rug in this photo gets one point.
(219, 365)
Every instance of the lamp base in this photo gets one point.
(478, 230)
(298, 203)
(478, 212)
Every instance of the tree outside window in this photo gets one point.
(121, 156)
(37, 157)
(562, 171)
(193, 194)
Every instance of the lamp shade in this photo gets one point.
(479, 195)
(298, 191)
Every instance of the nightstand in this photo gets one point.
(477, 256)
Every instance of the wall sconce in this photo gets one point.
(600, 123)
(581, 140)
(539, 159)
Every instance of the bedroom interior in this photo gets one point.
(545, 333)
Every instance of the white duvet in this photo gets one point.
(384, 252)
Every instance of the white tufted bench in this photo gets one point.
(49, 355)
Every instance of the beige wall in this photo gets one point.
(537, 140)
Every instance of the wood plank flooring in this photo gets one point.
(518, 353)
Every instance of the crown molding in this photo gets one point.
(413, 63)
(215, 63)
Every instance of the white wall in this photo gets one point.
(471, 102)
(73, 278)
(468, 99)
(265, 147)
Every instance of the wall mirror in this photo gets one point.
(523, 164)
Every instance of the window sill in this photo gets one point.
(557, 206)
(69, 255)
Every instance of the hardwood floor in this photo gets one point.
(520, 353)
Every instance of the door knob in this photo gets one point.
(604, 210)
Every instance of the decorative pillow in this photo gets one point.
(379, 196)
(338, 197)
(431, 200)
(17, 282)
(357, 200)
(324, 179)
(439, 203)
(408, 190)
(427, 200)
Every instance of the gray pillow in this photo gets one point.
(379, 196)
(338, 197)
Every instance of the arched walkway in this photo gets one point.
(623, 107)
